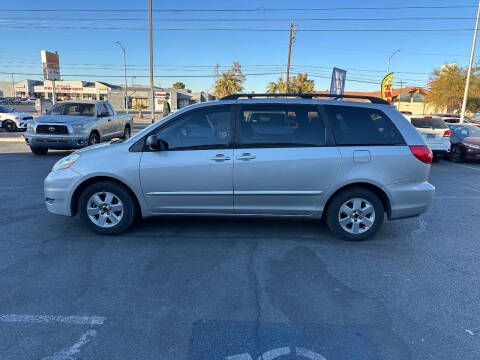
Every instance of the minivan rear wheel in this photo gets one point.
(355, 214)
(107, 208)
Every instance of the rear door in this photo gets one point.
(116, 123)
(105, 124)
(283, 161)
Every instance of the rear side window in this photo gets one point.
(362, 126)
(110, 109)
(426, 123)
(280, 126)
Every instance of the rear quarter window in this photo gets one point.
(362, 126)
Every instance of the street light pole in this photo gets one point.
(390, 58)
(125, 100)
(469, 72)
(152, 94)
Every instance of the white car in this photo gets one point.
(12, 120)
(434, 131)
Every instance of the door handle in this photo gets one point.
(109, 120)
(220, 158)
(245, 157)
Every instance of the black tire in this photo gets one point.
(127, 199)
(39, 150)
(126, 132)
(455, 154)
(436, 158)
(333, 213)
(93, 139)
(10, 126)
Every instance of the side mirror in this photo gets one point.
(156, 144)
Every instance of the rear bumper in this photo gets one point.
(57, 142)
(409, 199)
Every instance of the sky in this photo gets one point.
(188, 44)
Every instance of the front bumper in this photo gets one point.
(410, 199)
(57, 142)
(58, 189)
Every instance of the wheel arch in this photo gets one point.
(377, 190)
(86, 183)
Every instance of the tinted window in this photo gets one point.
(281, 125)
(466, 131)
(208, 129)
(55, 110)
(432, 123)
(362, 126)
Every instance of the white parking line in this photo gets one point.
(467, 167)
(67, 354)
(456, 197)
(77, 320)
(2, 139)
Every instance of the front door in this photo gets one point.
(283, 164)
(195, 174)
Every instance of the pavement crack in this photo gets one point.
(256, 292)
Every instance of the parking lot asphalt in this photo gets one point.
(198, 288)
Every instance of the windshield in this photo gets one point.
(73, 109)
(466, 130)
(429, 123)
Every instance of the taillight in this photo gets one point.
(428, 117)
(422, 153)
(447, 133)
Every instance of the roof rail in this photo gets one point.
(373, 99)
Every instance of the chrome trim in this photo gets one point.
(280, 193)
(287, 192)
(190, 193)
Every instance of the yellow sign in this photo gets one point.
(387, 87)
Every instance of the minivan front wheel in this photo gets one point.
(107, 207)
(355, 214)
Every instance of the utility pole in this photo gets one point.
(289, 54)
(469, 72)
(13, 87)
(152, 91)
(125, 74)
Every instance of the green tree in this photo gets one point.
(298, 84)
(447, 87)
(229, 82)
(179, 85)
(140, 106)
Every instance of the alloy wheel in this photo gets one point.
(105, 209)
(356, 215)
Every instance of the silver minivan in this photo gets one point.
(254, 155)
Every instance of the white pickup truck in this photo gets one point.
(76, 124)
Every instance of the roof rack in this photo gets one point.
(373, 99)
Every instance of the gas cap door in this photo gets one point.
(361, 156)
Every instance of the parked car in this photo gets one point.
(350, 162)
(465, 141)
(12, 120)
(434, 131)
(76, 124)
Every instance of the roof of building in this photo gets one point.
(395, 92)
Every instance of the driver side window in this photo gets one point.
(200, 129)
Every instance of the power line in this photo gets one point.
(233, 29)
(259, 10)
(240, 19)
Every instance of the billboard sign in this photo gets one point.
(337, 85)
(387, 88)
(50, 65)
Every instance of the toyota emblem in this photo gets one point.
(51, 128)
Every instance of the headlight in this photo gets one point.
(473, 146)
(65, 162)
(79, 128)
(30, 127)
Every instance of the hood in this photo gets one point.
(21, 114)
(64, 119)
(96, 147)
(472, 140)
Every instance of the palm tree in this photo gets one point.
(230, 82)
(140, 106)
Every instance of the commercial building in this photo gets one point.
(409, 99)
(98, 90)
